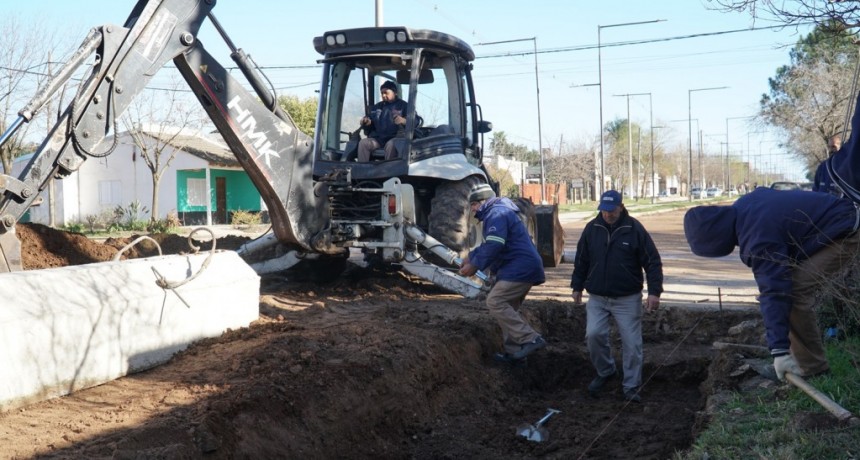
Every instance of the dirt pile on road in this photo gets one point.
(374, 365)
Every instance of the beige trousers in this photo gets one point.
(504, 302)
(805, 336)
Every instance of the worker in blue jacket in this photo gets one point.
(509, 254)
(613, 251)
(792, 240)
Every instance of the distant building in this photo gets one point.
(203, 185)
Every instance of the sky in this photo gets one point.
(692, 48)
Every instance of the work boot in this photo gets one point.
(632, 395)
(529, 348)
(597, 384)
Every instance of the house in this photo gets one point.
(203, 185)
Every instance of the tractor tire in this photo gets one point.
(450, 220)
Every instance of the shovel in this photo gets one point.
(537, 432)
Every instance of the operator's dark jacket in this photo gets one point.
(382, 116)
(609, 261)
(774, 230)
(507, 250)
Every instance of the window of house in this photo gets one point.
(110, 192)
(197, 195)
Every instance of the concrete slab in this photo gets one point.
(65, 329)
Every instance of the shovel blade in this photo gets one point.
(532, 433)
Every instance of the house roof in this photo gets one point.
(214, 153)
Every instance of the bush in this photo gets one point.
(166, 225)
(241, 218)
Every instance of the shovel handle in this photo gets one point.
(549, 413)
(840, 412)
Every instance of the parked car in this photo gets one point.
(714, 192)
(696, 193)
(785, 185)
(807, 186)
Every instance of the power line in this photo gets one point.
(630, 42)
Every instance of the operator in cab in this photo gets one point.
(385, 119)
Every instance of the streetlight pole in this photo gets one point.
(598, 161)
(537, 96)
(600, 84)
(629, 140)
(728, 159)
(690, 132)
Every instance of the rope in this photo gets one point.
(618, 414)
(160, 280)
(163, 283)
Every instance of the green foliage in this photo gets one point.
(167, 225)
(501, 146)
(302, 111)
(809, 97)
(245, 218)
(75, 227)
(768, 422)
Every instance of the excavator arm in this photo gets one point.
(268, 145)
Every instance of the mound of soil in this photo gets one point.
(374, 365)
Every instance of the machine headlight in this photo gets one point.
(389, 36)
(401, 36)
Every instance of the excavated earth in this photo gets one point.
(378, 365)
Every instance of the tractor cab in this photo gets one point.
(431, 71)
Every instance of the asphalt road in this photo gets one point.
(689, 280)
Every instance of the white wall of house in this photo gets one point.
(103, 183)
(517, 169)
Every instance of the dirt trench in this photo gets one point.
(374, 365)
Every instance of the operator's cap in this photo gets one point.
(481, 192)
(609, 201)
(388, 85)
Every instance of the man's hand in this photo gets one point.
(652, 303)
(577, 297)
(365, 121)
(467, 269)
(785, 363)
(398, 120)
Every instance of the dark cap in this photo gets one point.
(710, 230)
(388, 85)
(609, 201)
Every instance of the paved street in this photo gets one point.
(689, 280)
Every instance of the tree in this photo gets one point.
(796, 12)
(302, 111)
(809, 97)
(25, 63)
(500, 145)
(158, 126)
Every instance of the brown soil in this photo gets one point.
(374, 365)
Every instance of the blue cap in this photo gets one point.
(609, 201)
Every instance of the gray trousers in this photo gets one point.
(504, 302)
(627, 312)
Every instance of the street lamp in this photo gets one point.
(728, 161)
(630, 140)
(537, 95)
(690, 130)
(654, 181)
(598, 162)
(600, 84)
